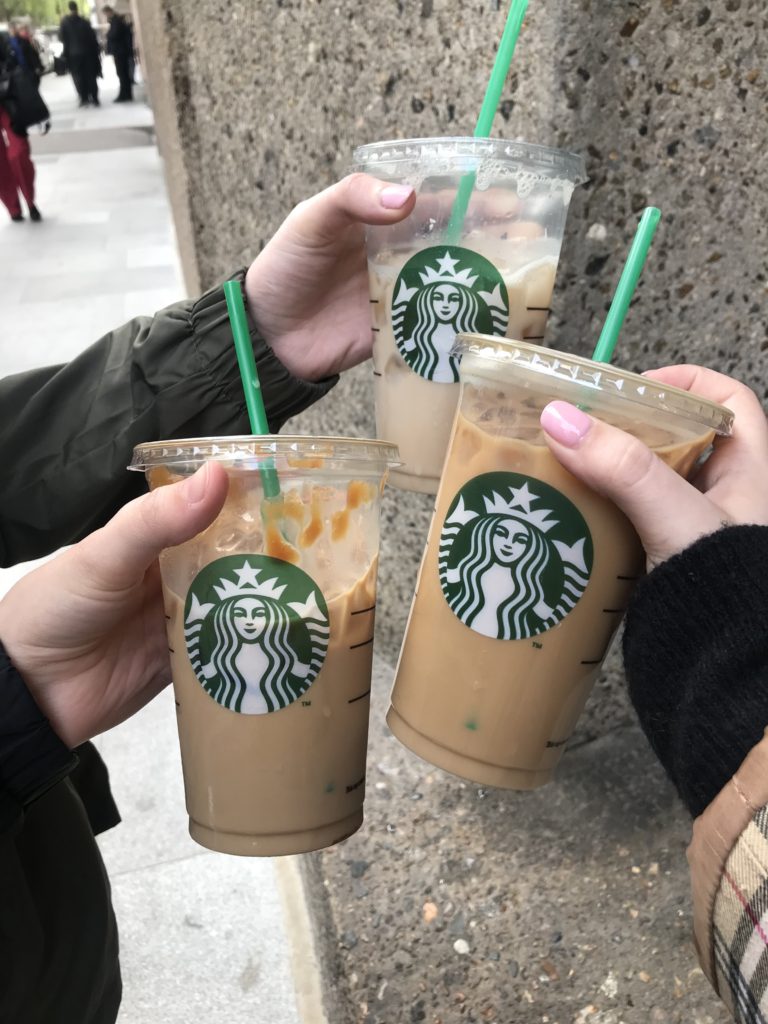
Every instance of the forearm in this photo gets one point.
(68, 431)
(696, 657)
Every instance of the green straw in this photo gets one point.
(249, 374)
(487, 112)
(627, 283)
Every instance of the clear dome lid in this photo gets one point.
(250, 451)
(498, 359)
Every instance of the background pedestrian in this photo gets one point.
(81, 55)
(19, 101)
(120, 46)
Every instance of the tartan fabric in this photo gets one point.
(740, 925)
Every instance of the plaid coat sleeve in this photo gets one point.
(728, 857)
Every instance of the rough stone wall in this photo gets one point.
(665, 98)
(667, 101)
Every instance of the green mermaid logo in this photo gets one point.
(439, 293)
(508, 570)
(256, 630)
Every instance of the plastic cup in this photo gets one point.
(526, 572)
(427, 284)
(270, 625)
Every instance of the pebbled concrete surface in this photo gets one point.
(564, 906)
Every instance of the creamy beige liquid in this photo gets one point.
(285, 782)
(415, 413)
(496, 711)
(291, 780)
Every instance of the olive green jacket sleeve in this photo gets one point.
(67, 432)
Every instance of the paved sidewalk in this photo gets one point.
(202, 935)
(105, 250)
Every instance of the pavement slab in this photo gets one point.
(106, 248)
(203, 936)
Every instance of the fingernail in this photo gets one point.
(565, 423)
(394, 197)
(195, 487)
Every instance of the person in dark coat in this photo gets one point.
(81, 55)
(17, 172)
(120, 46)
(25, 52)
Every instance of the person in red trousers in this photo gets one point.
(17, 172)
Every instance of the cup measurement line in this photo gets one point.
(359, 697)
(629, 579)
(364, 643)
(596, 661)
(374, 302)
(376, 373)
(614, 611)
(533, 337)
(376, 330)
(539, 309)
(559, 743)
(362, 611)
(171, 650)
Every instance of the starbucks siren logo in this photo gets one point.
(439, 293)
(515, 556)
(256, 631)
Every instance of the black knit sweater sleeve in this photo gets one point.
(696, 659)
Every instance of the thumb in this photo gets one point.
(358, 198)
(119, 553)
(667, 512)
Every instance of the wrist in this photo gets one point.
(33, 758)
(293, 355)
(695, 657)
(288, 349)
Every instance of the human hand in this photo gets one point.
(86, 630)
(307, 291)
(669, 513)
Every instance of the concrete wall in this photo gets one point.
(259, 103)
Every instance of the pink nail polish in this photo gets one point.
(394, 197)
(565, 423)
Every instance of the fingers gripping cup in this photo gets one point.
(431, 279)
(270, 625)
(526, 572)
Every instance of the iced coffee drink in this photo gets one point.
(527, 572)
(493, 274)
(270, 616)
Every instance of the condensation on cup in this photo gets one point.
(526, 572)
(493, 273)
(270, 614)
